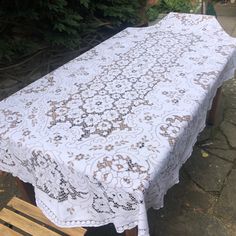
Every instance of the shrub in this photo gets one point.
(177, 5)
(27, 25)
(165, 6)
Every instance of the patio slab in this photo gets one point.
(226, 206)
(208, 172)
(217, 141)
(230, 115)
(189, 223)
(229, 131)
(229, 155)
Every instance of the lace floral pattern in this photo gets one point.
(103, 137)
(100, 106)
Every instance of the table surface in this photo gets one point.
(103, 137)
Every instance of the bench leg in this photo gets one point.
(131, 232)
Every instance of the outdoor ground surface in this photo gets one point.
(204, 202)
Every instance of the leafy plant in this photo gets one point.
(153, 13)
(119, 11)
(27, 25)
(165, 6)
(178, 5)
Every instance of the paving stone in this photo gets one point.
(218, 141)
(107, 230)
(2, 94)
(208, 172)
(7, 83)
(230, 132)
(229, 87)
(225, 154)
(229, 91)
(187, 224)
(226, 207)
(230, 101)
(206, 134)
(37, 75)
(230, 116)
(185, 197)
(28, 79)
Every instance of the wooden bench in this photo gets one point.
(21, 218)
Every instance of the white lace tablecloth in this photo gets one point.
(103, 137)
